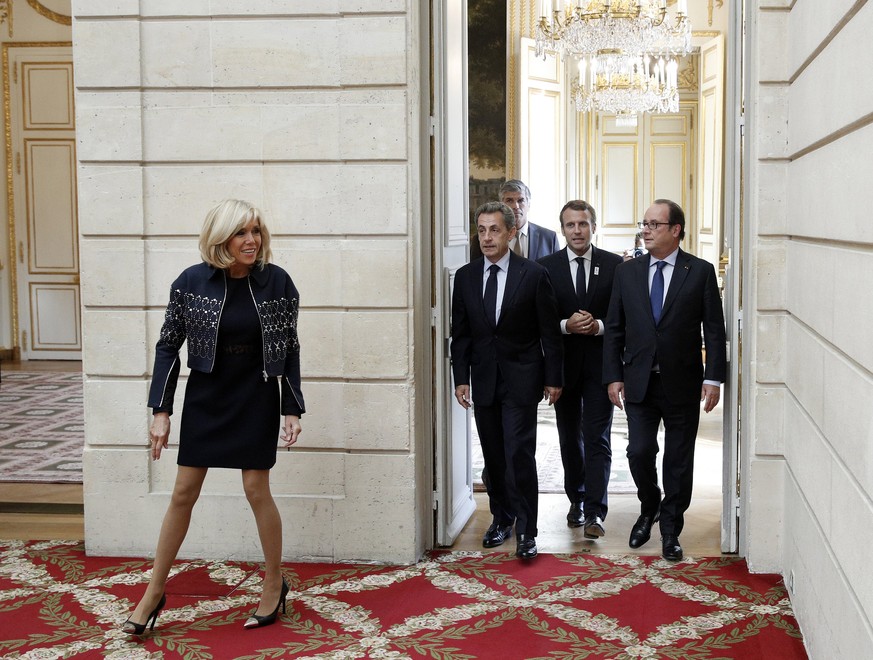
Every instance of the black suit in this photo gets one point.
(584, 412)
(507, 367)
(634, 346)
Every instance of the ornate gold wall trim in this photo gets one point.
(49, 14)
(512, 89)
(10, 183)
(10, 211)
(6, 14)
(709, 8)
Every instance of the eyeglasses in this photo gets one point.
(651, 224)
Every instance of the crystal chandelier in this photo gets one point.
(627, 52)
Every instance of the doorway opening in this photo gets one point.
(585, 172)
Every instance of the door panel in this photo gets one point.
(711, 139)
(638, 164)
(51, 207)
(52, 305)
(543, 143)
(453, 470)
(43, 207)
(620, 185)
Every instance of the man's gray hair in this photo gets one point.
(514, 185)
(496, 207)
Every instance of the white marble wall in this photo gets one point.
(809, 352)
(308, 109)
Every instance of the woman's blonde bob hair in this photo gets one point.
(221, 223)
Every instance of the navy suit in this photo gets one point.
(507, 367)
(541, 242)
(584, 412)
(634, 346)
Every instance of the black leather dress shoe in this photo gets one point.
(496, 535)
(672, 551)
(526, 547)
(642, 530)
(574, 516)
(594, 527)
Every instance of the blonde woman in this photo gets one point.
(238, 314)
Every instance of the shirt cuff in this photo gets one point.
(599, 327)
(712, 382)
(564, 330)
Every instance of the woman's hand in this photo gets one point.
(159, 434)
(291, 429)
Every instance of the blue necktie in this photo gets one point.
(657, 294)
(490, 297)
(580, 280)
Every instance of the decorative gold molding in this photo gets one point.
(512, 85)
(42, 10)
(688, 74)
(705, 33)
(10, 211)
(718, 3)
(6, 14)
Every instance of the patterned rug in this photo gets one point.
(550, 470)
(56, 602)
(42, 428)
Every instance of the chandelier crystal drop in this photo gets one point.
(627, 52)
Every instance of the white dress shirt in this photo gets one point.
(503, 264)
(667, 272)
(574, 266)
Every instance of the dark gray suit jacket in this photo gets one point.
(633, 343)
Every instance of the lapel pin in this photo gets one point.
(596, 270)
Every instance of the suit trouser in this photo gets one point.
(583, 416)
(680, 434)
(508, 435)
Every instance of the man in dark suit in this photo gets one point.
(530, 241)
(652, 362)
(506, 342)
(582, 278)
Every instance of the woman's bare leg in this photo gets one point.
(186, 490)
(257, 487)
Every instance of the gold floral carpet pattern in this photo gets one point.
(57, 602)
(42, 427)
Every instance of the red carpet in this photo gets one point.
(56, 602)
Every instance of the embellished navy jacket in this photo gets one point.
(193, 313)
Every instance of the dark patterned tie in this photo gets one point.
(657, 294)
(490, 298)
(580, 280)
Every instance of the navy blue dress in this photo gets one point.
(231, 417)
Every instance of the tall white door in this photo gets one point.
(42, 153)
(710, 204)
(453, 489)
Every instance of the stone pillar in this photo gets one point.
(310, 111)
